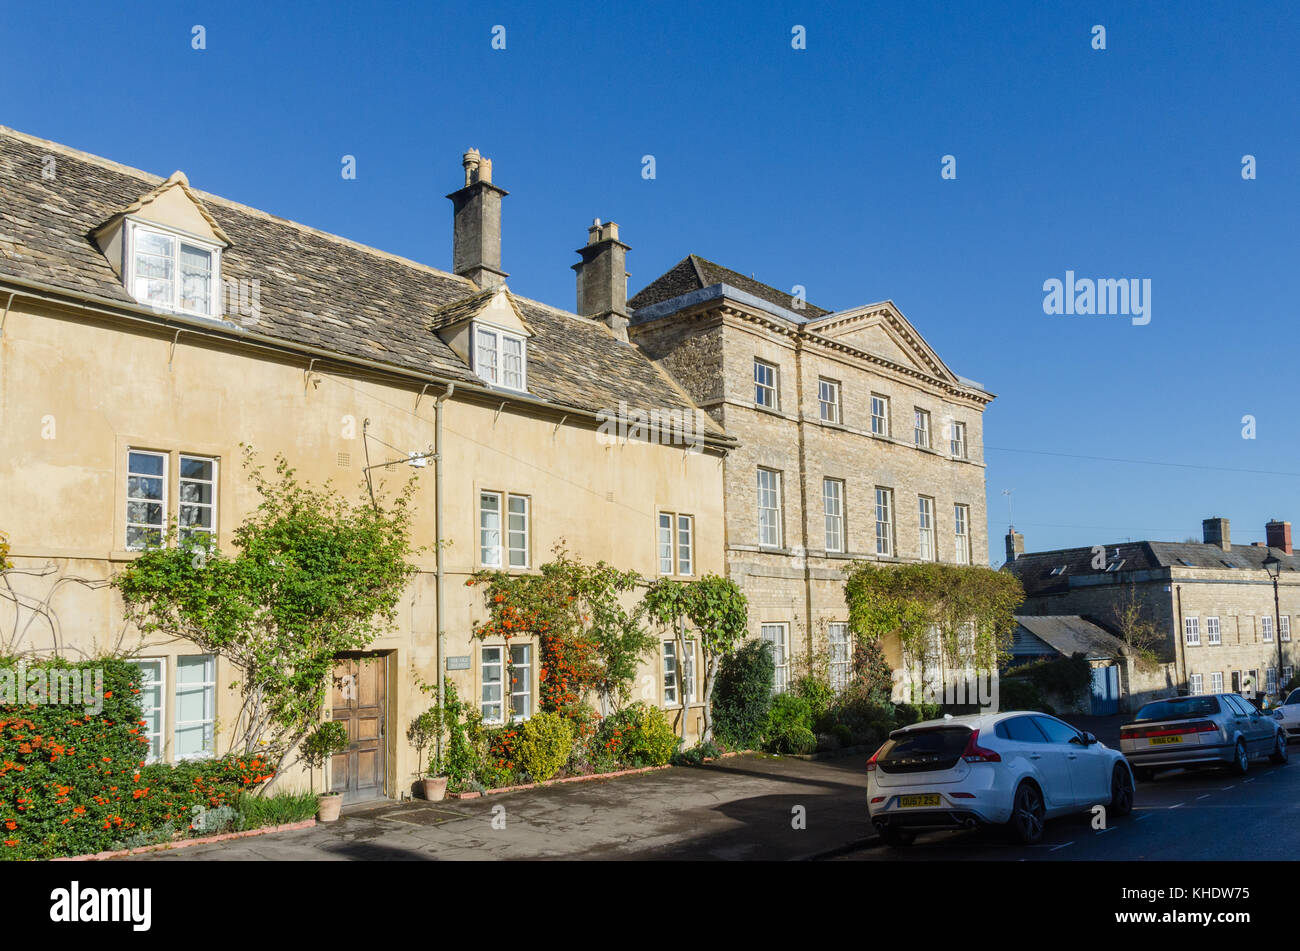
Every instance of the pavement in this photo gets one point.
(744, 807)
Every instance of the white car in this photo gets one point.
(1288, 715)
(1015, 769)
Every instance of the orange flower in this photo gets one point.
(79, 810)
(11, 825)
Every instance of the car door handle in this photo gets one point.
(1072, 756)
(1035, 755)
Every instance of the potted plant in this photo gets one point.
(424, 732)
(322, 745)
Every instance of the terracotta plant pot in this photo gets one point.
(435, 787)
(329, 804)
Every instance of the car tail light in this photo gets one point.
(876, 799)
(974, 753)
(871, 763)
(963, 795)
(1138, 733)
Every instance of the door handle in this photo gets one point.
(1035, 755)
(1072, 756)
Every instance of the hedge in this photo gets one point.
(74, 782)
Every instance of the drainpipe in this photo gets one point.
(1178, 632)
(440, 574)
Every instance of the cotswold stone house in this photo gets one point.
(856, 442)
(148, 328)
(1213, 602)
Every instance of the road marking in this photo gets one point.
(1233, 786)
(1176, 805)
(1248, 781)
(1108, 829)
(1206, 796)
(1066, 846)
(1143, 818)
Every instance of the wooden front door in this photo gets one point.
(360, 702)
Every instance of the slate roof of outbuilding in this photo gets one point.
(1070, 634)
(315, 289)
(693, 272)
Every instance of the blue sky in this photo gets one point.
(818, 167)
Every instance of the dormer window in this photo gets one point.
(500, 357)
(169, 270)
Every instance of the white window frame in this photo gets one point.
(163, 502)
(1192, 631)
(181, 479)
(833, 514)
(1216, 682)
(1270, 680)
(957, 444)
(921, 428)
(1195, 684)
(961, 532)
(879, 402)
(764, 390)
(208, 686)
(773, 490)
(1287, 673)
(178, 238)
(1213, 633)
(840, 653)
(885, 521)
(675, 537)
(500, 664)
(777, 634)
(925, 527)
(1266, 628)
(161, 709)
(671, 695)
(828, 400)
(505, 547)
(496, 373)
(1285, 629)
(524, 679)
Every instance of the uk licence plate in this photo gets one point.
(911, 802)
(1162, 740)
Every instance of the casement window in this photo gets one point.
(169, 271)
(1288, 672)
(921, 429)
(1285, 628)
(492, 671)
(833, 508)
(146, 499)
(1194, 684)
(837, 634)
(196, 706)
(769, 508)
(153, 682)
(925, 515)
(672, 695)
(1270, 680)
(775, 634)
(500, 357)
(1192, 631)
(493, 553)
(879, 415)
(828, 400)
(1266, 628)
(765, 384)
(676, 544)
(884, 521)
(1212, 635)
(197, 498)
(957, 443)
(1216, 682)
(961, 529)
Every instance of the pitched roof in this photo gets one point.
(693, 273)
(314, 288)
(1071, 634)
(1049, 572)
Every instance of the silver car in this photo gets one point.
(1217, 729)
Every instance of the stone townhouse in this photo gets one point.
(1213, 601)
(856, 441)
(147, 329)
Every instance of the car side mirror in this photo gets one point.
(1087, 739)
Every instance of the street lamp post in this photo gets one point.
(1273, 566)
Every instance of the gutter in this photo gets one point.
(229, 331)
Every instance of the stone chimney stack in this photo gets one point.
(476, 243)
(602, 277)
(1215, 532)
(1278, 535)
(1015, 544)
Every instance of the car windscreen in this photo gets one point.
(1294, 698)
(1179, 708)
(924, 750)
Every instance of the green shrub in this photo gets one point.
(1069, 678)
(789, 725)
(697, 754)
(544, 745)
(905, 714)
(255, 812)
(639, 735)
(843, 733)
(818, 693)
(793, 739)
(1015, 693)
(742, 695)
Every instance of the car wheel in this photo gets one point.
(1028, 814)
(1240, 761)
(1281, 754)
(1144, 775)
(1121, 791)
(897, 838)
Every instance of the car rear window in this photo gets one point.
(1178, 708)
(924, 750)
